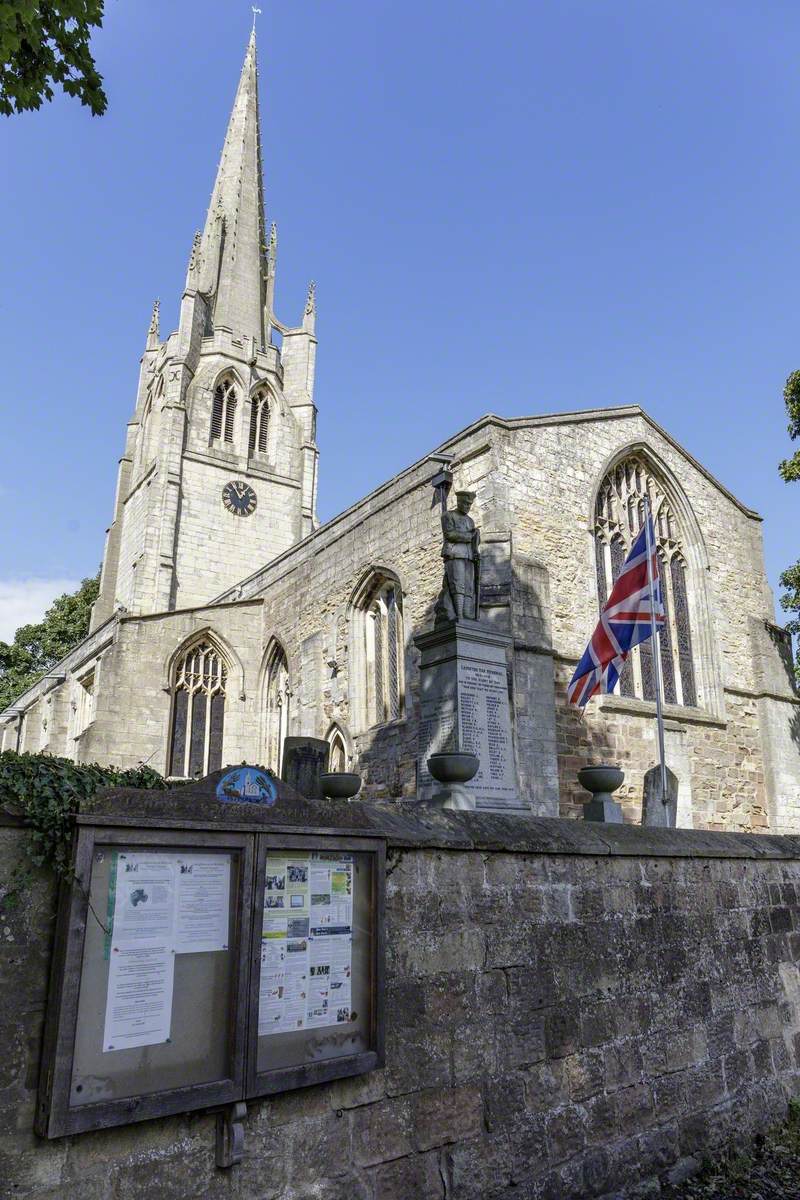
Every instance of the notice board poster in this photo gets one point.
(160, 904)
(307, 941)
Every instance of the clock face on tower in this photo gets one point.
(239, 498)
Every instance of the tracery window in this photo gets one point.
(259, 421)
(619, 515)
(383, 652)
(278, 697)
(223, 412)
(198, 711)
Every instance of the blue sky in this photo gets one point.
(515, 207)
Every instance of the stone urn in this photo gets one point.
(454, 769)
(340, 785)
(601, 780)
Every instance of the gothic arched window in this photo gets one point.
(223, 412)
(259, 421)
(379, 613)
(198, 711)
(278, 696)
(619, 514)
(338, 758)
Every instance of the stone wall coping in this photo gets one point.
(408, 824)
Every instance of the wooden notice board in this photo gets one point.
(195, 967)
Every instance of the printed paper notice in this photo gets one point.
(307, 944)
(159, 905)
(139, 999)
(203, 884)
(144, 898)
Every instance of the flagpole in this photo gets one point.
(656, 652)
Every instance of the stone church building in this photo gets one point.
(228, 617)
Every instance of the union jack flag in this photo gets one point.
(626, 619)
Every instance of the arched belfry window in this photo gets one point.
(259, 421)
(198, 711)
(278, 696)
(223, 412)
(619, 514)
(378, 611)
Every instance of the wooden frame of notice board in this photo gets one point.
(218, 992)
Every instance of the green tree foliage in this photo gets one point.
(790, 470)
(790, 467)
(37, 648)
(44, 42)
(47, 792)
(790, 602)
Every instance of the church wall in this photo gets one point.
(307, 611)
(552, 472)
(133, 712)
(720, 766)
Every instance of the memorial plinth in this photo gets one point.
(464, 706)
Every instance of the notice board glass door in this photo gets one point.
(316, 979)
(153, 978)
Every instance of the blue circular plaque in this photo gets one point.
(247, 785)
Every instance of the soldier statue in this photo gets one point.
(460, 594)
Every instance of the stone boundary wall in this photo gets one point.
(571, 1012)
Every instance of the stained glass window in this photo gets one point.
(683, 632)
(383, 653)
(618, 553)
(198, 712)
(619, 515)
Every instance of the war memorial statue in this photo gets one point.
(464, 688)
(461, 586)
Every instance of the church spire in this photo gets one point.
(233, 238)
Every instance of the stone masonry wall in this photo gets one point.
(737, 758)
(580, 1015)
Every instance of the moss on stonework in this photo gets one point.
(768, 1168)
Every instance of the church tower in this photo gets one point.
(219, 473)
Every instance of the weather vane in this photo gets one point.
(256, 13)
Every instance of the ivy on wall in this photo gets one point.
(47, 793)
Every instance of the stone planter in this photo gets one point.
(454, 770)
(340, 785)
(601, 780)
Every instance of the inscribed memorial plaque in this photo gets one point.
(485, 730)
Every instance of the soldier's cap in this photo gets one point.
(466, 495)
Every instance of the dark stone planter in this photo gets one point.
(457, 767)
(340, 785)
(601, 781)
(454, 770)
